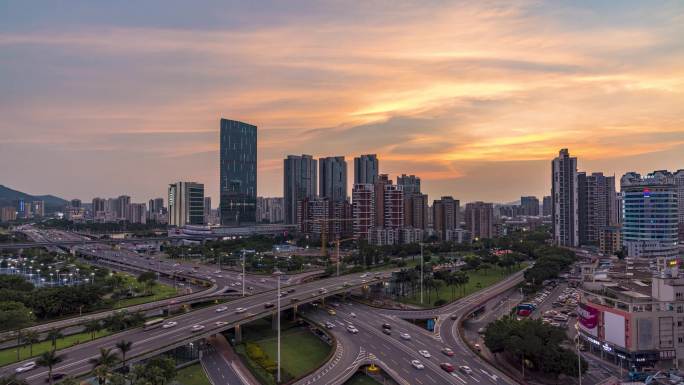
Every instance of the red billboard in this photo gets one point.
(587, 316)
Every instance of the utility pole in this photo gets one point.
(277, 275)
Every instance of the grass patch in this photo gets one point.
(9, 356)
(301, 351)
(158, 292)
(479, 279)
(361, 379)
(192, 375)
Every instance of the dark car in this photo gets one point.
(56, 376)
(268, 305)
(447, 367)
(387, 331)
(386, 326)
(290, 290)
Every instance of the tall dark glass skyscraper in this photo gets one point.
(238, 184)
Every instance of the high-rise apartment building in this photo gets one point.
(97, 205)
(186, 204)
(156, 212)
(366, 169)
(8, 213)
(207, 211)
(333, 178)
(547, 206)
(565, 201)
(529, 206)
(322, 217)
(679, 185)
(382, 181)
(238, 173)
(410, 184)
(121, 207)
(479, 219)
(363, 209)
(299, 183)
(75, 203)
(270, 210)
(137, 213)
(445, 216)
(416, 210)
(596, 205)
(38, 208)
(649, 223)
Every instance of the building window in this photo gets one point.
(680, 340)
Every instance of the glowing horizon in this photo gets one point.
(475, 98)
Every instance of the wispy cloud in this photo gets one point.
(434, 88)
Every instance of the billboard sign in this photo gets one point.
(587, 316)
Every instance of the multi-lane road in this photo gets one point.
(369, 345)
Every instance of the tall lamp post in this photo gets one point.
(579, 357)
(243, 272)
(277, 275)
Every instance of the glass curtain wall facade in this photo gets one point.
(238, 179)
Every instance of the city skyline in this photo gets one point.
(475, 105)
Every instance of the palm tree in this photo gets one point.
(124, 347)
(103, 364)
(53, 335)
(49, 359)
(31, 337)
(107, 358)
(92, 327)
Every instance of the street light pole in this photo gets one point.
(579, 358)
(277, 274)
(243, 273)
(421, 272)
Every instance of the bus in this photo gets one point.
(153, 323)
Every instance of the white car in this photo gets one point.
(169, 324)
(240, 310)
(25, 367)
(262, 280)
(416, 364)
(221, 323)
(352, 329)
(405, 336)
(217, 271)
(352, 315)
(221, 309)
(466, 369)
(329, 325)
(196, 328)
(424, 353)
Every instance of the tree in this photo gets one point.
(124, 347)
(103, 364)
(12, 380)
(49, 359)
(92, 327)
(53, 335)
(31, 337)
(15, 316)
(147, 279)
(69, 381)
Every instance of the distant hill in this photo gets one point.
(8, 197)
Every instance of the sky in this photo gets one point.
(102, 98)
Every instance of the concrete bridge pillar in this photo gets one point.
(294, 312)
(238, 334)
(274, 321)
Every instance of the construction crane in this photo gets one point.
(324, 230)
(337, 249)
